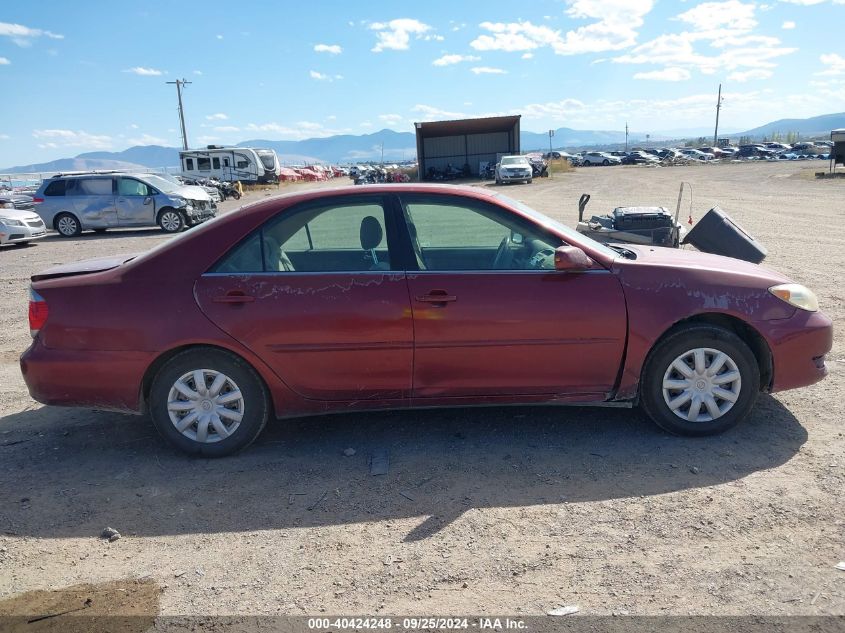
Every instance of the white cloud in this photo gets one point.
(219, 36)
(4, 61)
(430, 112)
(333, 49)
(301, 130)
(488, 70)
(742, 77)
(226, 128)
(216, 117)
(725, 28)
(527, 55)
(145, 72)
(614, 26)
(319, 76)
(835, 64)
(730, 14)
(667, 74)
(198, 72)
(396, 34)
(391, 119)
(148, 139)
(787, 25)
(206, 139)
(448, 60)
(23, 35)
(55, 138)
(4, 137)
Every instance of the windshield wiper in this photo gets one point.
(625, 252)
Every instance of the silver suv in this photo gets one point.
(72, 203)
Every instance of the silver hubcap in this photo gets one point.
(67, 226)
(170, 221)
(205, 406)
(701, 385)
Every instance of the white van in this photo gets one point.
(247, 164)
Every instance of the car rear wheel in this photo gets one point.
(67, 225)
(208, 402)
(605, 162)
(700, 380)
(171, 221)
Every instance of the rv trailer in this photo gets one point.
(246, 164)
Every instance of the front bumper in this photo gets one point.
(10, 234)
(799, 345)
(515, 177)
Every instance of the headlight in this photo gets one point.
(179, 202)
(796, 295)
(10, 222)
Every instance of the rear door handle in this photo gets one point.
(234, 297)
(437, 296)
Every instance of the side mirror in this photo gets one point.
(571, 258)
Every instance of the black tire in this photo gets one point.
(605, 162)
(171, 220)
(67, 225)
(529, 181)
(677, 344)
(255, 402)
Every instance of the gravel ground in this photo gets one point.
(495, 510)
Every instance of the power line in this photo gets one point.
(179, 84)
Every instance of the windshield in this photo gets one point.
(514, 160)
(562, 229)
(268, 158)
(161, 184)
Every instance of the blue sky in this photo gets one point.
(90, 75)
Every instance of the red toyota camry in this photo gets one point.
(412, 296)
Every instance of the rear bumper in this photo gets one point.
(84, 378)
(799, 349)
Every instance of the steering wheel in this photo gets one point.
(504, 255)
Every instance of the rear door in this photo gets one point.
(319, 294)
(135, 202)
(93, 201)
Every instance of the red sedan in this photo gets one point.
(412, 296)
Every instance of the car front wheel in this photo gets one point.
(208, 402)
(171, 221)
(700, 380)
(67, 225)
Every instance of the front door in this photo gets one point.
(315, 295)
(135, 202)
(493, 317)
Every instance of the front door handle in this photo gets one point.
(234, 297)
(437, 297)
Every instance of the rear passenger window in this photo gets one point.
(55, 188)
(189, 164)
(204, 164)
(340, 238)
(93, 187)
(215, 163)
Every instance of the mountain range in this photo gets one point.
(395, 146)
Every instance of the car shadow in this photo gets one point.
(71, 472)
(110, 234)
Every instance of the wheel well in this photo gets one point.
(743, 330)
(158, 363)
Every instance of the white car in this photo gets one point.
(696, 154)
(601, 158)
(19, 223)
(514, 169)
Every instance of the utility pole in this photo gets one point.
(382, 153)
(179, 84)
(551, 134)
(718, 107)
(626, 136)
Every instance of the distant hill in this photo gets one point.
(814, 126)
(395, 146)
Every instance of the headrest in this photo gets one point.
(371, 233)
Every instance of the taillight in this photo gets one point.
(38, 200)
(37, 312)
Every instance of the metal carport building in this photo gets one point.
(465, 141)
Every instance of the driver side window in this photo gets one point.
(447, 235)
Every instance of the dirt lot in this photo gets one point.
(483, 511)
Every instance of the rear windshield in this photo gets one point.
(56, 188)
